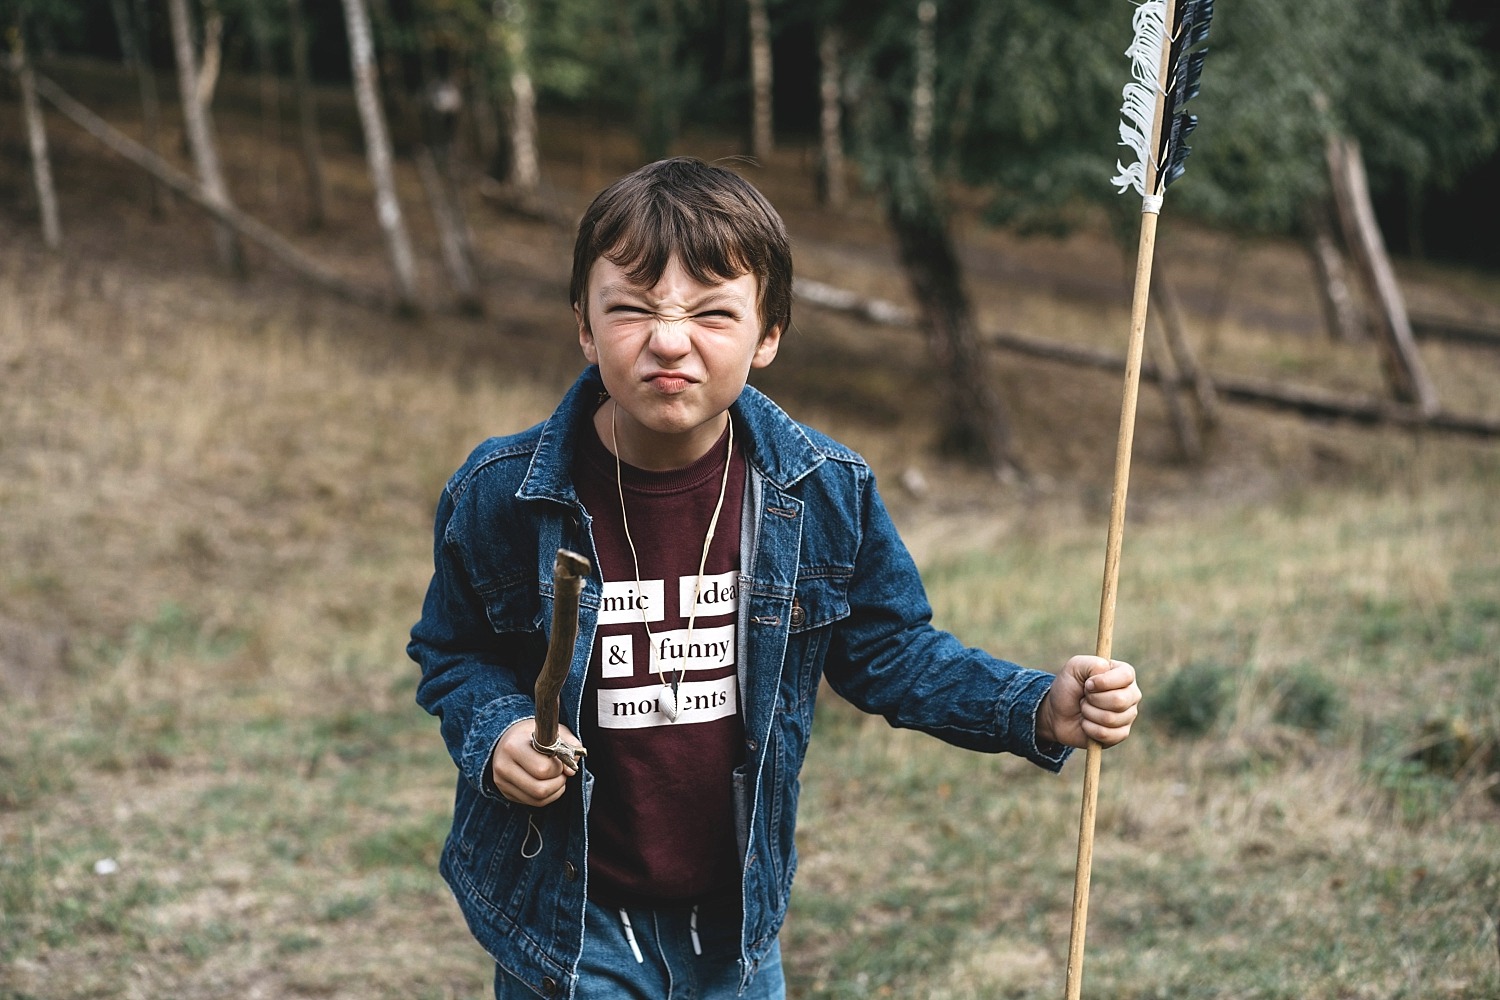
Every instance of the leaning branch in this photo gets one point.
(250, 228)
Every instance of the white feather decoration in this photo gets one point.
(1139, 109)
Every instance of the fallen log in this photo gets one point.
(1455, 331)
(247, 226)
(1312, 401)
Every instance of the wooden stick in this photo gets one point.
(1140, 302)
(1104, 645)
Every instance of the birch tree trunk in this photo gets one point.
(524, 173)
(307, 118)
(36, 138)
(762, 133)
(832, 189)
(200, 131)
(378, 150)
(130, 18)
(1405, 373)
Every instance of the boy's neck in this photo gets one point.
(653, 451)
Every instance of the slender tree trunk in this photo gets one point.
(378, 150)
(524, 173)
(307, 118)
(525, 169)
(453, 237)
(200, 132)
(832, 189)
(1183, 425)
(1405, 372)
(213, 53)
(441, 107)
(1341, 313)
(130, 19)
(975, 423)
(36, 138)
(1169, 314)
(762, 133)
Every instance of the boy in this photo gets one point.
(738, 559)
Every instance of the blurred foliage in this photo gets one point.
(1027, 92)
(1410, 85)
(1028, 99)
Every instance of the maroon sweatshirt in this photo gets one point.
(661, 821)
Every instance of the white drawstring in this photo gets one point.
(531, 828)
(693, 930)
(635, 949)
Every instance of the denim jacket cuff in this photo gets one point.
(490, 723)
(1024, 709)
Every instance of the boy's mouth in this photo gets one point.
(669, 383)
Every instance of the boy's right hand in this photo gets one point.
(523, 775)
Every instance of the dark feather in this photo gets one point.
(1184, 70)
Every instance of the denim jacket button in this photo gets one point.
(798, 615)
(570, 871)
(549, 986)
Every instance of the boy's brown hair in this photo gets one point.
(710, 218)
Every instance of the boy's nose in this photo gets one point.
(670, 339)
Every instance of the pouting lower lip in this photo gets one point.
(669, 383)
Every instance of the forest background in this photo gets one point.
(267, 276)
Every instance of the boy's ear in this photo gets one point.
(585, 336)
(765, 351)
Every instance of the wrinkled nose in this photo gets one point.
(670, 340)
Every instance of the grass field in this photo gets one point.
(215, 508)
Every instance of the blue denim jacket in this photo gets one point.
(827, 591)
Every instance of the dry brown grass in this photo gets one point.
(215, 505)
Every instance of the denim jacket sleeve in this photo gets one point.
(888, 658)
(476, 678)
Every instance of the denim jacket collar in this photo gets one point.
(776, 445)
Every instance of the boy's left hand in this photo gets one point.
(1090, 699)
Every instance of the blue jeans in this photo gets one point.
(663, 954)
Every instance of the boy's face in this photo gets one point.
(673, 357)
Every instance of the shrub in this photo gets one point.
(1189, 702)
(1307, 700)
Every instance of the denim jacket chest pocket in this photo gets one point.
(511, 603)
(819, 604)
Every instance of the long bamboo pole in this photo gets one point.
(1104, 646)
